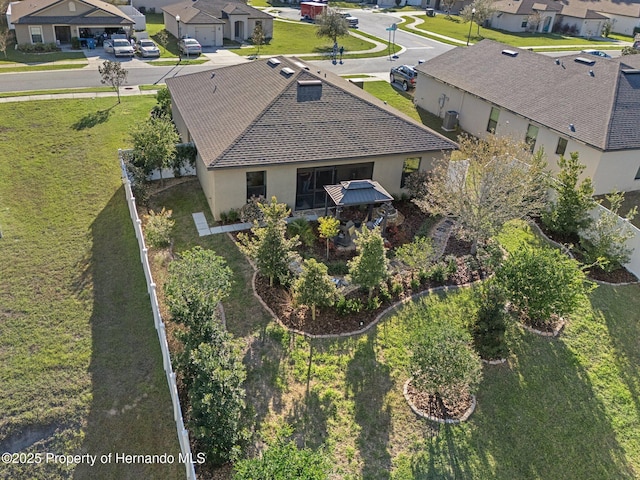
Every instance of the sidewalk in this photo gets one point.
(127, 90)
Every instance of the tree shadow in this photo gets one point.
(130, 411)
(92, 119)
(368, 382)
(538, 417)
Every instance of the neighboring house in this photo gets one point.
(280, 127)
(578, 17)
(583, 104)
(209, 21)
(58, 21)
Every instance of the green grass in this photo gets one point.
(155, 24)
(457, 28)
(296, 38)
(403, 101)
(56, 91)
(47, 67)
(16, 56)
(81, 363)
(564, 408)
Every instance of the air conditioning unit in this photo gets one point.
(450, 122)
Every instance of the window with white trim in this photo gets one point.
(36, 34)
(532, 135)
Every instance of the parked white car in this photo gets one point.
(147, 48)
(120, 47)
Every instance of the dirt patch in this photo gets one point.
(440, 408)
(29, 436)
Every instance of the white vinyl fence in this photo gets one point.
(183, 434)
(634, 243)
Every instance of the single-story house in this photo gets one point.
(209, 21)
(578, 17)
(280, 127)
(575, 103)
(58, 21)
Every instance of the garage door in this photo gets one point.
(205, 36)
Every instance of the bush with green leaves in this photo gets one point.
(158, 227)
(197, 282)
(542, 284)
(251, 211)
(490, 323)
(604, 242)
(283, 460)
(302, 228)
(213, 377)
(568, 213)
(314, 287)
(268, 246)
(444, 363)
(416, 255)
(417, 183)
(370, 267)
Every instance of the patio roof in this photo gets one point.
(357, 192)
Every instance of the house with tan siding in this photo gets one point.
(575, 103)
(280, 127)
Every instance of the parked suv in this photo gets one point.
(351, 20)
(404, 75)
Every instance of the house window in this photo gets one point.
(524, 24)
(410, 165)
(256, 184)
(493, 120)
(72, 7)
(259, 23)
(562, 146)
(36, 34)
(532, 134)
(637, 175)
(310, 182)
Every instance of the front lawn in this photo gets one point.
(456, 27)
(562, 408)
(295, 38)
(81, 363)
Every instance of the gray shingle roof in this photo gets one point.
(215, 8)
(585, 9)
(31, 11)
(358, 192)
(256, 114)
(551, 94)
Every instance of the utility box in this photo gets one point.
(450, 122)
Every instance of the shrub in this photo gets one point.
(251, 212)
(373, 303)
(302, 228)
(158, 227)
(314, 287)
(233, 215)
(416, 183)
(443, 363)
(337, 267)
(384, 294)
(369, 268)
(415, 284)
(224, 217)
(346, 306)
(438, 272)
(542, 283)
(605, 241)
(397, 288)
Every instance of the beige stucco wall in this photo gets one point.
(267, 27)
(226, 189)
(607, 170)
(622, 24)
(513, 23)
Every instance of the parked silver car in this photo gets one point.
(119, 47)
(189, 46)
(147, 48)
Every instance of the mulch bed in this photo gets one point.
(619, 275)
(445, 409)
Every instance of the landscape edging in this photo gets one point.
(448, 421)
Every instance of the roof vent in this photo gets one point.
(288, 71)
(301, 65)
(557, 61)
(510, 53)
(585, 61)
(631, 71)
(591, 73)
(274, 62)
(309, 83)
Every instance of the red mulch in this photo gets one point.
(445, 409)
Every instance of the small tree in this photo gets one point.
(283, 460)
(604, 242)
(4, 41)
(444, 363)
(490, 324)
(257, 37)
(269, 247)
(606, 28)
(417, 183)
(496, 180)
(331, 25)
(447, 5)
(483, 11)
(163, 107)
(542, 283)
(214, 377)
(416, 255)
(328, 227)
(154, 144)
(313, 287)
(569, 212)
(114, 74)
(197, 282)
(158, 227)
(369, 268)
(628, 50)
